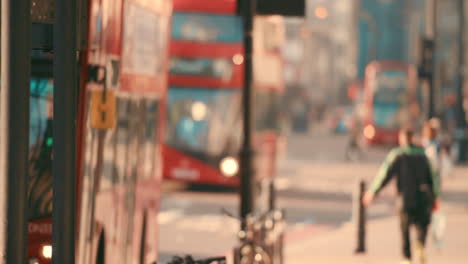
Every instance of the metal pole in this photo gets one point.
(247, 8)
(14, 138)
(271, 196)
(461, 122)
(430, 30)
(361, 221)
(65, 116)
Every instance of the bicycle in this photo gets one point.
(189, 260)
(255, 247)
(270, 233)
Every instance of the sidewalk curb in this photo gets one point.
(307, 231)
(389, 248)
(296, 236)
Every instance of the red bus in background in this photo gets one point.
(390, 100)
(120, 128)
(205, 85)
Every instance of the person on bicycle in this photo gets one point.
(418, 189)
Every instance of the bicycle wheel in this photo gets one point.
(261, 256)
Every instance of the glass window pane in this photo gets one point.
(204, 123)
(40, 148)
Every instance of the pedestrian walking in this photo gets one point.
(431, 143)
(418, 189)
(438, 152)
(353, 151)
(446, 161)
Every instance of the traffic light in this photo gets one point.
(279, 7)
(426, 67)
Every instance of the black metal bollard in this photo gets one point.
(361, 221)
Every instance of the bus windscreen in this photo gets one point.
(204, 123)
(390, 102)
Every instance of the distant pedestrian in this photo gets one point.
(431, 143)
(446, 161)
(438, 152)
(353, 151)
(418, 189)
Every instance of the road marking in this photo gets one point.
(282, 183)
(198, 223)
(208, 223)
(166, 217)
(306, 231)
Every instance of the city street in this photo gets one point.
(122, 122)
(315, 184)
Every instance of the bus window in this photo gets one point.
(221, 68)
(206, 27)
(40, 149)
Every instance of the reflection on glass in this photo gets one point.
(40, 149)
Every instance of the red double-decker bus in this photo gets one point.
(391, 100)
(205, 85)
(120, 126)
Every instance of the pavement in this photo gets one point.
(316, 187)
(383, 245)
(383, 239)
(315, 190)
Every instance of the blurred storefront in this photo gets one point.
(320, 51)
(451, 76)
(447, 59)
(462, 105)
(331, 48)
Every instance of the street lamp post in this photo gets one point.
(247, 10)
(372, 24)
(429, 52)
(461, 121)
(64, 147)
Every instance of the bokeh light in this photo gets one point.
(199, 111)
(321, 12)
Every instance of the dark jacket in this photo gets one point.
(417, 182)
